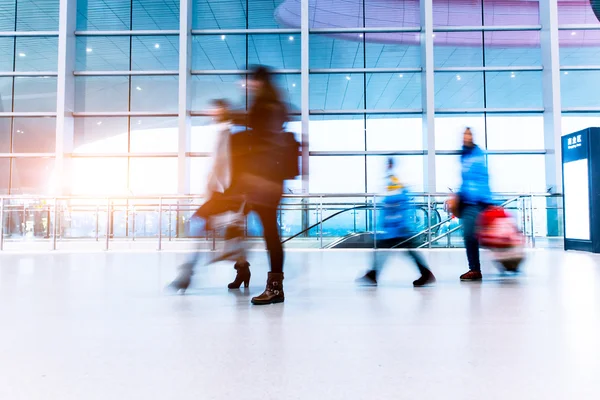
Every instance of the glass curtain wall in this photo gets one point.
(28, 71)
(365, 88)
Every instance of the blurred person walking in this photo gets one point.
(473, 197)
(262, 157)
(398, 228)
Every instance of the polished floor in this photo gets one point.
(99, 326)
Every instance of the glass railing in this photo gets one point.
(305, 221)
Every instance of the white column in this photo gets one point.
(65, 96)
(427, 93)
(185, 96)
(551, 93)
(304, 84)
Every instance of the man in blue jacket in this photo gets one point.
(474, 196)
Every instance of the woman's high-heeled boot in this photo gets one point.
(243, 275)
(273, 292)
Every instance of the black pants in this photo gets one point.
(380, 257)
(267, 213)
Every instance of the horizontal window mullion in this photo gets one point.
(128, 33)
(208, 32)
(568, 110)
(580, 67)
(363, 70)
(29, 73)
(488, 110)
(122, 155)
(29, 34)
(27, 155)
(369, 153)
(578, 27)
(82, 114)
(499, 28)
(366, 30)
(209, 113)
(493, 152)
(488, 69)
(366, 111)
(241, 71)
(199, 154)
(126, 73)
(27, 114)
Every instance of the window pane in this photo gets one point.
(458, 49)
(103, 15)
(514, 89)
(7, 15)
(37, 15)
(32, 176)
(231, 14)
(409, 169)
(520, 48)
(378, 14)
(336, 133)
(99, 176)
(449, 131)
(469, 13)
(5, 134)
(219, 52)
(4, 175)
(199, 167)
(576, 88)
(515, 132)
(337, 174)
(336, 51)
(394, 132)
(208, 87)
(276, 51)
(458, 90)
(219, 14)
(393, 91)
(156, 14)
(576, 13)
(155, 53)
(34, 135)
(205, 131)
(576, 122)
(579, 47)
(393, 50)
(100, 135)
(37, 54)
(110, 53)
(447, 173)
(151, 176)
(35, 94)
(517, 173)
(101, 93)
(289, 88)
(6, 89)
(7, 51)
(336, 91)
(154, 93)
(154, 134)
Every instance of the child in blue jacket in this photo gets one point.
(398, 228)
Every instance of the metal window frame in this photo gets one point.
(415, 70)
(143, 32)
(280, 71)
(41, 74)
(123, 155)
(407, 111)
(487, 28)
(489, 110)
(578, 27)
(124, 114)
(127, 73)
(568, 68)
(28, 155)
(266, 31)
(26, 114)
(523, 68)
(390, 29)
(29, 34)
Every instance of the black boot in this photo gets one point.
(184, 278)
(243, 275)
(369, 279)
(273, 292)
(427, 278)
